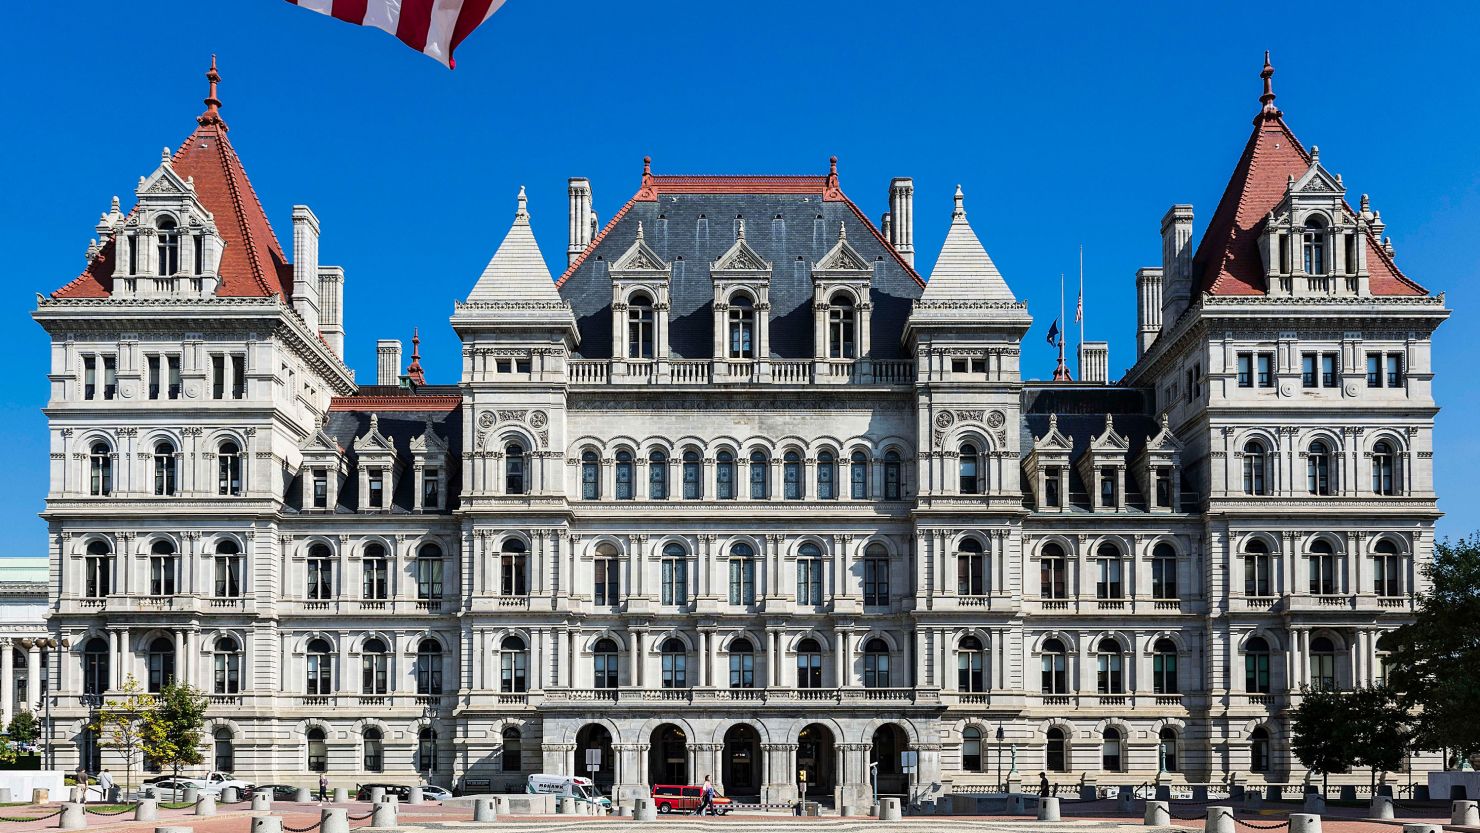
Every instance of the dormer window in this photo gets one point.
(640, 326)
(842, 327)
(377, 489)
(741, 327)
(1313, 246)
(167, 242)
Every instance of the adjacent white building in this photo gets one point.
(739, 493)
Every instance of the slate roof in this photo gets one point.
(517, 271)
(964, 271)
(690, 221)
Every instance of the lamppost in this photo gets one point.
(93, 702)
(47, 644)
(1000, 735)
(428, 713)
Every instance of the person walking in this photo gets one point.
(105, 784)
(1043, 784)
(323, 786)
(81, 789)
(706, 798)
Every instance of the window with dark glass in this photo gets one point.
(1387, 569)
(320, 573)
(809, 664)
(791, 476)
(1258, 572)
(639, 326)
(675, 664)
(426, 750)
(1394, 370)
(167, 247)
(1384, 466)
(98, 570)
(374, 743)
(893, 476)
(1164, 667)
(626, 469)
(969, 464)
(1111, 750)
(319, 668)
(604, 664)
(374, 668)
(376, 479)
(429, 569)
(741, 326)
(1313, 247)
(164, 468)
(1109, 664)
(876, 664)
(1163, 572)
(1255, 463)
(1108, 485)
(742, 664)
(1374, 370)
(226, 673)
(515, 466)
(1318, 469)
(1056, 757)
(100, 459)
(876, 575)
(971, 569)
(1051, 496)
(693, 476)
(858, 476)
(590, 476)
(95, 661)
(827, 475)
(1108, 584)
(1246, 370)
(1308, 377)
(511, 756)
(759, 473)
(1325, 579)
(742, 574)
(724, 476)
(809, 575)
(164, 568)
(318, 751)
(841, 327)
(607, 576)
(1328, 370)
(971, 749)
(428, 667)
(513, 665)
(229, 469)
(1259, 750)
(320, 488)
(1164, 487)
(375, 573)
(971, 660)
(675, 576)
(161, 664)
(1323, 664)
(1256, 665)
(228, 570)
(513, 568)
(1266, 370)
(1053, 573)
(658, 475)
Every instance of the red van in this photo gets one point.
(672, 798)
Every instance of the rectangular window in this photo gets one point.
(1107, 487)
(1266, 370)
(1374, 370)
(1395, 370)
(675, 587)
(876, 581)
(376, 586)
(1328, 370)
(1108, 585)
(228, 577)
(971, 574)
(1051, 496)
(238, 376)
(724, 479)
(377, 489)
(1246, 370)
(429, 578)
(692, 476)
(218, 376)
(172, 365)
(607, 581)
(1191, 380)
(514, 574)
(162, 575)
(89, 377)
(1308, 370)
(110, 377)
(758, 479)
(431, 489)
(809, 581)
(1053, 578)
(1164, 487)
(1163, 578)
(320, 578)
(320, 488)
(742, 581)
(153, 367)
(958, 365)
(199, 262)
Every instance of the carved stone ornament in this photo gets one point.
(995, 419)
(944, 419)
(971, 416)
(512, 416)
(1287, 389)
(486, 419)
(538, 419)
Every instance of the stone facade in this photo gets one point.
(740, 494)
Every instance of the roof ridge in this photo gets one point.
(595, 241)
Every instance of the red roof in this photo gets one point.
(252, 264)
(1227, 260)
(395, 403)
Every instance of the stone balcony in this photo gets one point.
(584, 372)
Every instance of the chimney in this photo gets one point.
(902, 217)
(388, 361)
(306, 265)
(1148, 308)
(582, 218)
(331, 307)
(1094, 362)
(1176, 263)
(886, 226)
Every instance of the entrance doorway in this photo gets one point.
(668, 757)
(888, 741)
(742, 763)
(596, 736)
(816, 757)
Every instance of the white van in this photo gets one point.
(582, 789)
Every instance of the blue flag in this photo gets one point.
(1053, 333)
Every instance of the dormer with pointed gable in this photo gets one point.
(1102, 468)
(377, 467)
(742, 309)
(1159, 469)
(842, 310)
(322, 471)
(169, 245)
(1310, 242)
(429, 462)
(640, 302)
(1047, 468)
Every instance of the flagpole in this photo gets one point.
(1061, 318)
(1079, 314)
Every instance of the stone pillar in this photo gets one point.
(7, 681)
(780, 773)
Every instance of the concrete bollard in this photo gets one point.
(334, 820)
(1314, 804)
(414, 796)
(5, 795)
(146, 810)
(230, 795)
(848, 811)
(1125, 800)
(376, 794)
(341, 795)
(1158, 814)
(1465, 813)
(889, 809)
(622, 811)
(383, 815)
(205, 805)
(302, 795)
(1305, 823)
(1380, 808)
(484, 809)
(267, 824)
(74, 816)
(40, 795)
(192, 794)
(1220, 820)
(262, 802)
(643, 810)
(1423, 828)
(565, 805)
(390, 798)
(1048, 809)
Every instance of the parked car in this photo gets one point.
(672, 798)
(278, 792)
(432, 792)
(173, 789)
(400, 791)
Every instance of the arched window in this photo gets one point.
(1256, 665)
(725, 475)
(658, 475)
(167, 247)
(971, 661)
(513, 665)
(809, 575)
(1322, 664)
(1109, 585)
(429, 668)
(1167, 750)
(1325, 569)
(374, 742)
(1110, 750)
(675, 662)
(809, 664)
(511, 757)
(827, 475)
(604, 664)
(1164, 667)
(374, 668)
(1056, 757)
(229, 468)
(858, 476)
(759, 475)
(1256, 463)
(1384, 468)
(513, 568)
(742, 574)
(516, 465)
(429, 568)
(226, 657)
(626, 474)
(95, 666)
(590, 475)
(376, 573)
(320, 668)
(1387, 569)
(161, 662)
(426, 750)
(1259, 750)
(163, 568)
(98, 569)
(675, 575)
(842, 327)
(876, 575)
(693, 475)
(741, 328)
(320, 572)
(969, 464)
(791, 476)
(1313, 246)
(742, 664)
(1053, 572)
(606, 575)
(639, 326)
(100, 464)
(164, 468)
(971, 749)
(1318, 469)
(893, 476)
(1258, 569)
(1110, 662)
(971, 569)
(1055, 668)
(1163, 572)
(228, 570)
(318, 751)
(224, 750)
(876, 664)
(1386, 644)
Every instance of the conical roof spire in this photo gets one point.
(1268, 111)
(517, 271)
(964, 271)
(212, 114)
(413, 370)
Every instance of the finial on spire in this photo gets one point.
(1267, 99)
(523, 202)
(842, 230)
(960, 203)
(164, 155)
(1315, 154)
(413, 370)
(639, 231)
(212, 115)
(647, 166)
(832, 166)
(739, 228)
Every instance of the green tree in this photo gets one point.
(1433, 660)
(120, 725)
(172, 729)
(1325, 731)
(23, 728)
(1383, 730)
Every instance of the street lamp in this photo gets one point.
(93, 702)
(1000, 735)
(428, 713)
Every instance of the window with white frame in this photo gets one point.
(809, 575)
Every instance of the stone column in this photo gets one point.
(780, 773)
(33, 677)
(7, 680)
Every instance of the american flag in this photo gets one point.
(432, 27)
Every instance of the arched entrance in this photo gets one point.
(668, 756)
(742, 763)
(888, 742)
(816, 757)
(596, 736)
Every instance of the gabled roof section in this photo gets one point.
(1054, 440)
(740, 257)
(842, 257)
(1109, 439)
(372, 441)
(964, 271)
(1227, 261)
(1164, 440)
(639, 257)
(253, 264)
(517, 273)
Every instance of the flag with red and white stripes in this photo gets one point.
(432, 27)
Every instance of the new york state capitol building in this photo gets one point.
(738, 493)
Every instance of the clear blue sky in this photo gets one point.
(1077, 124)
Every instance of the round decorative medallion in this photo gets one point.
(537, 419)
(944, 419)
(485, 419)
(1351, 388)
(1287, 389)
(995, 419)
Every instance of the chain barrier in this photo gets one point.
(1249, 824)
(360, 818)
(311, 827)
(32, 818)
(175, 805)
(126, 809)
(1198, 817)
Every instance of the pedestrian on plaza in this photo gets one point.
(706, 798)
(1043, 784)
(323, 786)
(82, 783)
(105, 784)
